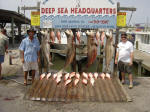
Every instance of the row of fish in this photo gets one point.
(75, 77)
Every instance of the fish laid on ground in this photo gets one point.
(58, 35)
(66, 76)
(107, 75)
(52, 36)
(72, 75)
(92, 81)
(42, 76)
(59, 74)
(48, 75)
(76, 81)
(90, 75)
(102, 75)
(45, 49)
(77, 75)
(109, 50)
(84, 81)
(92, 48)
(78, 37)
(58, 79)
(67, 82)
(54, 75)
(95, 75)
(85, 75)
(70, 48)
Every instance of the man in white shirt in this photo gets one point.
(124, 58)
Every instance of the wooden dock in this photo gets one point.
(104, 90)
(143, 60)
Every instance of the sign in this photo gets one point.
(35, 18)
(78, 14)
(121, 19)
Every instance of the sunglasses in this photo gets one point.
(123, 37)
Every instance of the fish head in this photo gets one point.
(69, 33)
(109, 35)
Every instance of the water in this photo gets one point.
(59, 62)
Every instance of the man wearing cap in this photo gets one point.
(124, 58)
(29, 48)
(3, 47)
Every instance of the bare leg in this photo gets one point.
(123, 77)
(130, 78)
(0, 71)
(33, 75)
(25, 77)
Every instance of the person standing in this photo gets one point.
(124, 58)
(3, 47)
(29, 48)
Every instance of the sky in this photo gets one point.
(140, 16)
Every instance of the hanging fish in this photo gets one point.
(78, 36)
(102, 36)
(98, 37)
(92, 49)
(70, 48)
(52, 36)
(109, 50)
(58, 35)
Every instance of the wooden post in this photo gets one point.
(139, 67)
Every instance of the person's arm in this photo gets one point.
(117, 54)
(22, 49)
(116, 58)
(6, 46)
(131, 54)
(22, 56)
(38, 50)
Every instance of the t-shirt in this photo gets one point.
(3, 43)
(125, 49)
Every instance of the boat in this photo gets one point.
(142, 40)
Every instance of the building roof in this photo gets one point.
(7, 15)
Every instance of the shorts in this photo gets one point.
(124, 67)
(27, 66)
(1, 59)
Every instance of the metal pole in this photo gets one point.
(116, 41)
(12, 29)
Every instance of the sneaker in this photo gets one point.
(130, 86)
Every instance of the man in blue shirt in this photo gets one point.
(29, 48)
